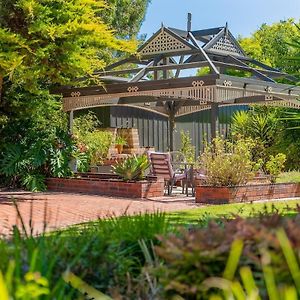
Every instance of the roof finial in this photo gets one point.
(189, 22)
(226, 28)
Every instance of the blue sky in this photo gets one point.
(243, 16)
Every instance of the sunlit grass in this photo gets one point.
(293, 176)
(245, 210)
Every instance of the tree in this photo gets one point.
(271, 44)
(55, 41)
(125, 16)
(44, 43)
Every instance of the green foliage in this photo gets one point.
(275, 165)
(91, 141)
(34, 140)
(259, 123)
(202, 263)
(132, 167)
(227, 163)
(83, 287)
(125, 16)
(270, 44)
(44, 44)
(245, 288)
(33, 287)
(120, 140)
(62, 40)
(85, 124)
(292, 176)
(33, 182)
(105, 255)
(270, 129)
(187, 149)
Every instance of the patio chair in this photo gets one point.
(160, 164)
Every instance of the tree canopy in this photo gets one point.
(55, 41)
(45, 43)
(271, 44)
(125, 16)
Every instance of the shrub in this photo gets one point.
(132, 168)
(275, 165)
(187, 149)
(95, 143)
(34, 138)
(227, 163)
(274, 130)
(191, 257)
(98, 143)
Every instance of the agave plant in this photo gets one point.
(132, 168)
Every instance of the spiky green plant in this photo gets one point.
(132, 168)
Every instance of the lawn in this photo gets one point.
(285, 177)
(195, 215)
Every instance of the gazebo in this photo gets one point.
(155, 78)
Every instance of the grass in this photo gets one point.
(293, 176)
(196, 215)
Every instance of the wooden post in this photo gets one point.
(165, 72)
(71, 118)
(171, 130)
(214, 112)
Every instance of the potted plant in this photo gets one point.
(120, 142)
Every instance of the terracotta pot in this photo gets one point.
(119, 148)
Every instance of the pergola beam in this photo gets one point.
(252, 70)
(206, 57)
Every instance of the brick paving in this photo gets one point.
(59, 210)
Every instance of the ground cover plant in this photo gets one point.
(265, 247)
(124, 258)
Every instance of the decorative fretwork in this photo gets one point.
(164, 43)
(203, 94)
(206, 94)
(225, 44)
(284, 103)
(186, 110)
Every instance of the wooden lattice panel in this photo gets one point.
(164, 43)
(225, 44)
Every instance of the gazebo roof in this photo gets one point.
(157, 83)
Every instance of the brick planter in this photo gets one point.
(109, 187)
(245, 193)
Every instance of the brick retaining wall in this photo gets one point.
(108, 187)
(208, 194)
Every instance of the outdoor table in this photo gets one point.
(188, 169)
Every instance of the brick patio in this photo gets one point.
(64, 209)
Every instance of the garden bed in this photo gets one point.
(245, 193)
(107, 184)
